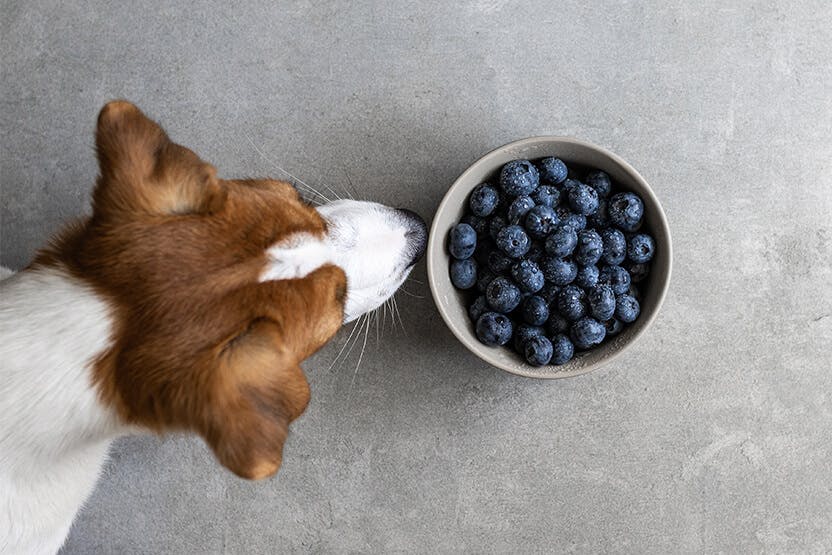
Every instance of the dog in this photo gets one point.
(184, 302)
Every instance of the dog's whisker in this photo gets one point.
(352, 186)
(360, 356)
(347, 342)
(280, 169)
(414, 280)
(365, 319)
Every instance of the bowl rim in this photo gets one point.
(475, 348)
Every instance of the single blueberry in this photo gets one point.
(615, 246)
(528, 276)
(502, 295)
(496, 224)
(540, 221)
(627, 308)
(562, 241)
(463, 241)
(518, 208)
(640, 248)
(483, 200)
(570, 184)
(562, 349)
(600, 219)
(513, 241)
(599, 181)
(522, 332)
(637, 271)
(558, 271)
(626, 211)
(587, 276)
(583, 199)
(587, 332)
(464, 273)
(556, 324)
(590, 247)
(613, 327)
(568, 218)
(553, 170)
(572, 303)
(494, 329)
(546, 195)
(549, 292)
(535, 310)
(601, 302)
(537, 350)
(478, 308)
(499, 262)
(484, 278)
(616, 277)
(519, 177)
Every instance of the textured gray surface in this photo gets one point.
(713, 434)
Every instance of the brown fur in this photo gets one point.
(199, 344)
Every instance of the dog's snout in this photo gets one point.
(416, 233)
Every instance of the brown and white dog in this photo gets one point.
(185, 302)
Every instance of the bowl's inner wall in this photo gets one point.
(454, 302)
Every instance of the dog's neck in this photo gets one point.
(54, 431)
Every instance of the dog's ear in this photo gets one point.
(144, 172)
(260, 391)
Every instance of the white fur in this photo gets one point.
(369, 241)
(54, 432)
(296, 257)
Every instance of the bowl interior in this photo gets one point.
(451, 302)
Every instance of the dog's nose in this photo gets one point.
(416, 234)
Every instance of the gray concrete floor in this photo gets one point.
(714, 434)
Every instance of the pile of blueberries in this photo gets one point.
(553, 259)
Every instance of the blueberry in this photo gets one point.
(546, 195)
(640, 248)
(536, 252)
(518, 208)
(571, 303)
(637, 271)
(552, 170)
(599, 181)
(522, 333)
(615, 246)
(498, 262)
(535, 310)
(537, 350)
(567, 218)
(583, 199)
(600, 219)
(480, 225)
(613, 327)
(519, 177)
(513, 241)
(463, 241)
(502, 295)
(484, 278)
(590, 247)
(562, 349)
(541, 221)
(556, 324)
(616, 277)
(559, 271)
(625, 211)
(464, 273)
(588, 332)
(601, 302)
(587, 276)
(549, 292)
(485, 246)
(495, 225)
(627, 308)
(562, 241)
(483, 200)
(528, 276)
(494, 329)
(570, 184)
(477, 308)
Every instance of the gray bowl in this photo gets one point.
(451, 302)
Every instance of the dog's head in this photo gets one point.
(220, 288)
